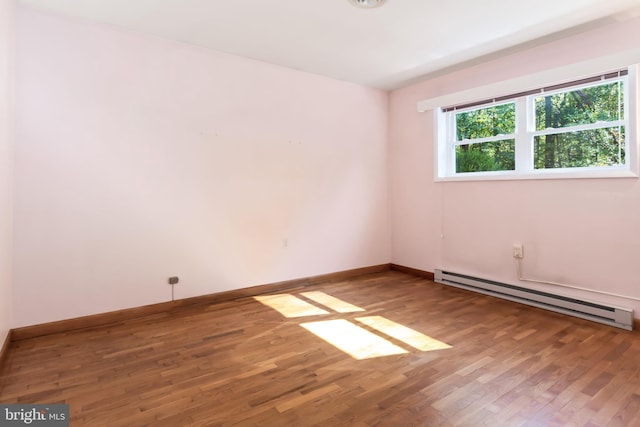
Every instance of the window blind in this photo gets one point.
(541, 90)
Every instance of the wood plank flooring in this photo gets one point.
(242, 363)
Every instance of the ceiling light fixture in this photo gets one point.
(367, 4)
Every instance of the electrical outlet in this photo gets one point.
(173, 280)
(518, 250)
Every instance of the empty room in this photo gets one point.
(331, 213)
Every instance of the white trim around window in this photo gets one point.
(445, 168)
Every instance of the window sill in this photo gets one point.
(558, 174)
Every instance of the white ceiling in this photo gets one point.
(384, 47)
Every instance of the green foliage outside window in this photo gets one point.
(580, 107)
(596, 147)
(490, 156)
(562, 146)
(483, 123)
(486, 122)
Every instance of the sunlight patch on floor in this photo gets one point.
(332, 302)
(289, 305)
(352, 339)
(402, 333)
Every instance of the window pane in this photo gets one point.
(488, 156)
(579, 107)
(486, 122)
(598, 147)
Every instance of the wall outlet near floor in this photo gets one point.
(518, 250)
(173, 280)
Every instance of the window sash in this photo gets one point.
(464, 141)
(499, 137)
(579, 128)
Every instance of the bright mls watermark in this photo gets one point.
(34, 415)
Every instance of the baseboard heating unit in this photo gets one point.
(609, 315)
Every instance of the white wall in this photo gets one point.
(139, 158)
(580, 232)
(6, 162)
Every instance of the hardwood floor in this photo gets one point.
(243, 363)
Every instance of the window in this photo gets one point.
(485, 139)
(577, 129)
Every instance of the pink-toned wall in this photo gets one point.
(579, 232)
(139, 158)
(6, 163)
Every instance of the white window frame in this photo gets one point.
(452, 141)
(445, 138)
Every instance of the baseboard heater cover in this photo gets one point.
(609, 315)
